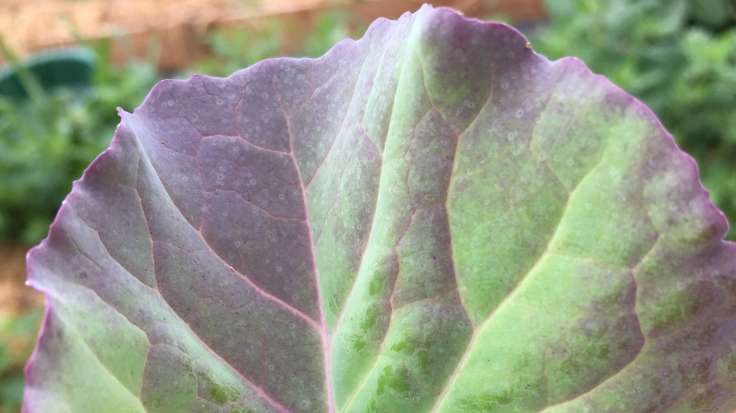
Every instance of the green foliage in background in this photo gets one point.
(17, 335)
(235, 49)
(47, 139)
(678, 56)
(328, 29)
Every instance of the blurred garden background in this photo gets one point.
(67, 64)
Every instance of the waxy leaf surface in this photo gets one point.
(433, 218)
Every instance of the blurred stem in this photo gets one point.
(26, 78)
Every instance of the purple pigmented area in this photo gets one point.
(358, 232)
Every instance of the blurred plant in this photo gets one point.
(17, 335)
(236, 49)
(47, 139)
(678, 56)
(328, 29)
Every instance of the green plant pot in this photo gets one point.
(72, 67)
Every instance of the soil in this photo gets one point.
(15, 296)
